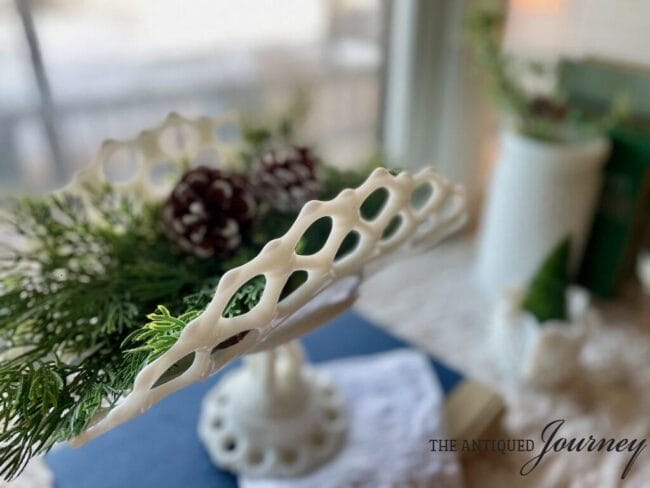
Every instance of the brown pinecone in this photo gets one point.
(548, 108)
(287, 181)
(209, 212)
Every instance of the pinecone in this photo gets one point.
(547, 108)
(287, 182)
(209, 212)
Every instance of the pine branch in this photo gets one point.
(77, 277)
(506, 74)
(163, 329)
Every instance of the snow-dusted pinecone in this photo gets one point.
(286, 181)
(209, 212)
(549, 109)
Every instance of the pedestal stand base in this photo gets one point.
(274, 417)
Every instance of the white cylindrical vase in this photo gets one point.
(540, 193)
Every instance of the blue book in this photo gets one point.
(161, 447)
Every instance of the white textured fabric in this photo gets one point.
(395, 405)
(438, 307)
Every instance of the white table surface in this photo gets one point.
(432, 300)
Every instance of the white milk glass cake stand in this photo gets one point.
(275, 415)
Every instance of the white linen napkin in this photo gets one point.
(394, 405)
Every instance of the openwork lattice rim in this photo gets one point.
(419, 227)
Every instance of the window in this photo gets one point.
(117, 66)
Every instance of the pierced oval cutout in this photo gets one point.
(231, 341)
(294, 281)
(255, 457)
(392, 227)
(331, 413)
(175, 370)
(179, 140)
(315, 237)
(164, 173)
(228, 132)
(122, 165)
(229, 444)
(317, 438)
(348, 245)
(424, 228)
(374, 204)
(421, 195)
(245, 299)
(288, 455)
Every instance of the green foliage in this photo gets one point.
(77, 277)
(485, 25)
(159, 334)
(260, 136)
(91, 290)
(246, 297)
(545, 117)
(335, 180)
(546, 296)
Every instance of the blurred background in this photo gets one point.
(414, 80)
(77, 72)
(541, 108)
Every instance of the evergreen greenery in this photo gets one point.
(77, 277)
(547, 117)
(91, 290)
(546, 296)
(260, 135)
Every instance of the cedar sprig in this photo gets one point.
(79, 279)
(77, 276)
(163, 329)
(544, 116)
